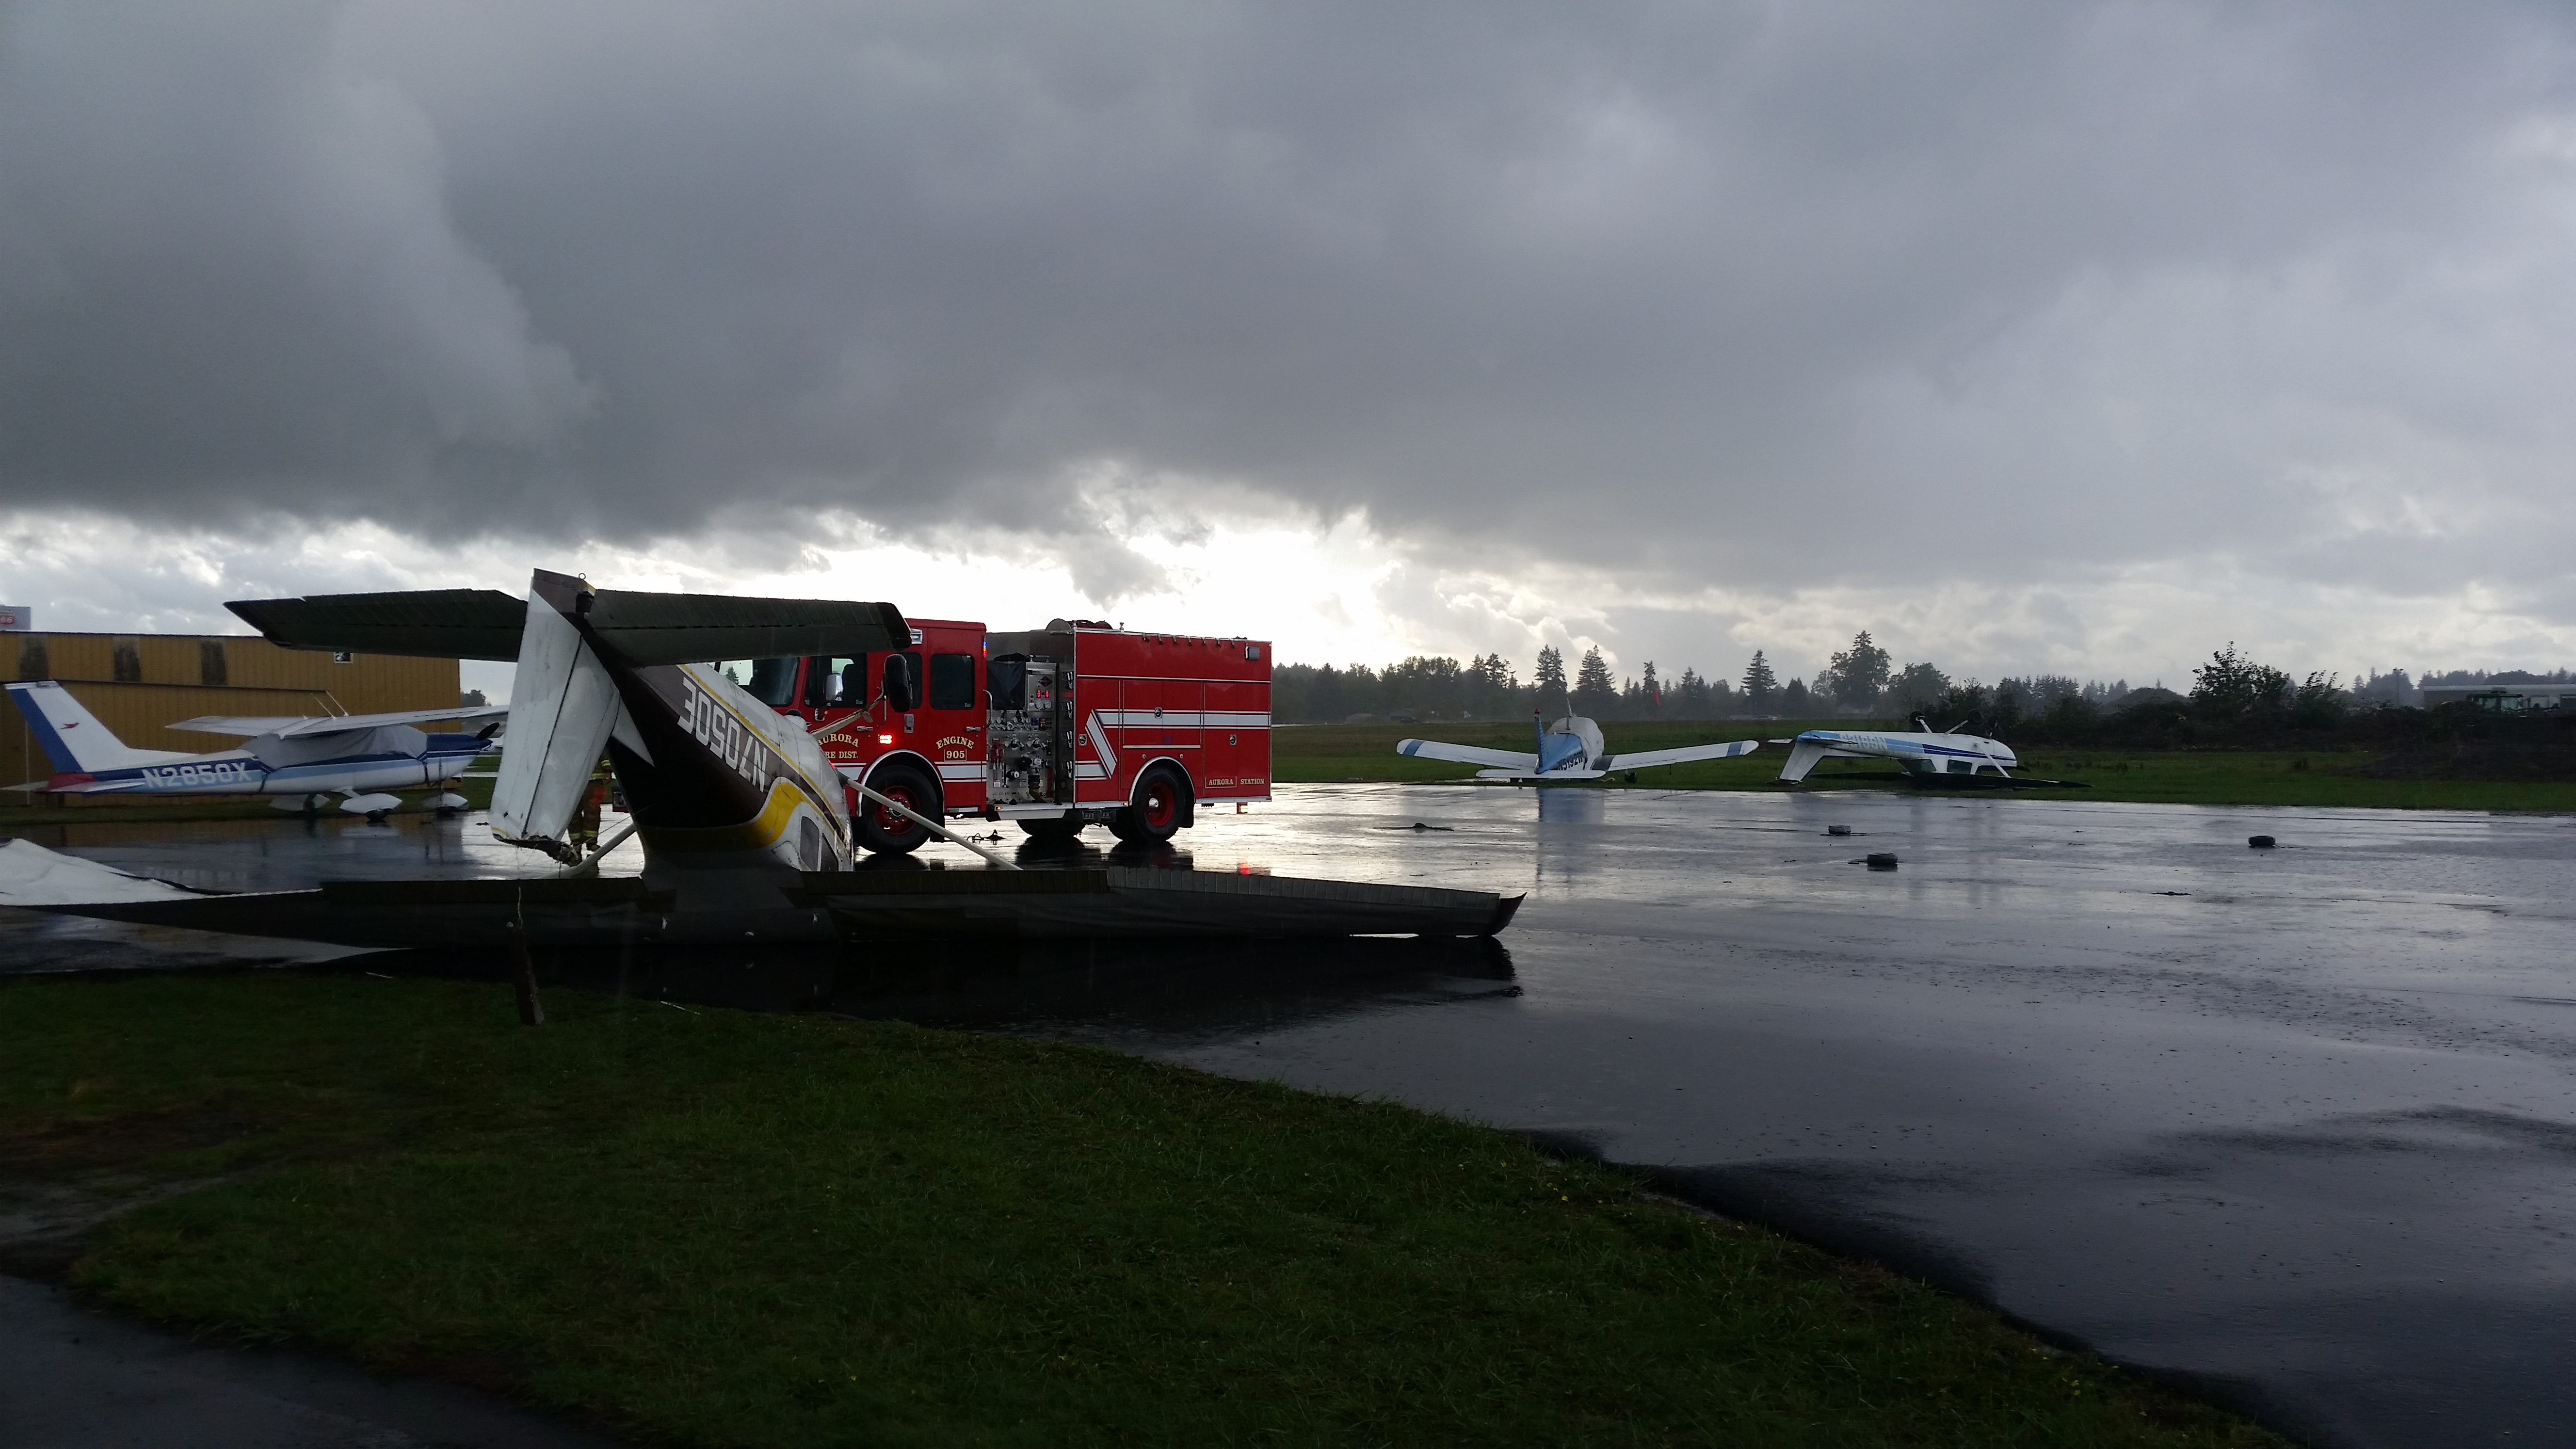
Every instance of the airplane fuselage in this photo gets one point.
(1923, 753)
(242, 772)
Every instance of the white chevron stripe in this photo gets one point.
(1095, 730)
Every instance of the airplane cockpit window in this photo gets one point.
(771, 681)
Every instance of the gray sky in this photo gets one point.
(2033, 336)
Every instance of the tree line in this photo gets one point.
(2232, 691)
(1859, 681)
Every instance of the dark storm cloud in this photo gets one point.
(1981, 290)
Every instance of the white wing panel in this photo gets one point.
(292, 726)
(1647, 759)
(1465, 754)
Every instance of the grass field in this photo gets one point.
(1339, 753)
(706, 1227)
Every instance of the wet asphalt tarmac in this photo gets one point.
(72, 1379)
(2297, 1124)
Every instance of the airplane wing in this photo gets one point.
(1647, 759)
(640, 628)
(1465, 754)
(298, 726)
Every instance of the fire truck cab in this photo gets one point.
(1057, 728)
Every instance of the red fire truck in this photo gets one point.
(1057, 728)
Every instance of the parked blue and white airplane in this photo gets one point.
(1921, 752)
(1570, 749)
(296, 757)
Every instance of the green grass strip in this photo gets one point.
(711, 1227)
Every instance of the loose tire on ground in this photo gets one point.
(1061, 827)
(882, 831)
(1156, 810)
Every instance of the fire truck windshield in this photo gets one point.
(771, 681)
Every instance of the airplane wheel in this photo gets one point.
(884, 832)
(1062, 827)
(1162, 795)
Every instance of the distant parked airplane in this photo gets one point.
(1922, 752)
(1570, 749)
(295, 757)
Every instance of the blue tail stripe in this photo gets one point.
(47, 737)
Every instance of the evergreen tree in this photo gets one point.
(1794, 699)
(1691, 697)
(1324, 699)
(1550, 679)
(1760, 684)
(1487, 686)
(1594, 690)
(1362, 692)
(2232, 686)
(1650, 694)
(1916, 688)
(1855, 677)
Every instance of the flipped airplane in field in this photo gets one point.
(1925, 755)
(297, 758)
(1570, 749)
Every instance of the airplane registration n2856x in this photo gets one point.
(295, 758)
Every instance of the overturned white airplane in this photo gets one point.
(1923, 753)
(298, 759)
(1570, 749)
(713, 776)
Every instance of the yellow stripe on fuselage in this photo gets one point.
(758, 833)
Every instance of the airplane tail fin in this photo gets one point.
(1802, 757)
(563, 707)
(73, 739)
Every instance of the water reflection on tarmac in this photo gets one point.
(2298, 1122)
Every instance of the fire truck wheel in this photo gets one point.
(884, 832)
(1161, 799)
(1062, 827)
